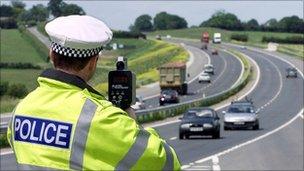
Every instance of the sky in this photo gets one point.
(121, 14)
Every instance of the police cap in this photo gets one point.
(78, 36)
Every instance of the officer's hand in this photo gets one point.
(131, 113)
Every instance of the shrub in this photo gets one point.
(126, 34)
(17, 90)
(291, 40)
(3, 88)
(239, 37)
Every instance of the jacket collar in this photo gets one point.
(68, 78)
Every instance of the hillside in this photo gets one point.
(254, 37)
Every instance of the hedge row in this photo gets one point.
(148, 116)
(41, 49)
(13, 90)
(239, 37)
(127, 34)
(18, 65)
(291, 40)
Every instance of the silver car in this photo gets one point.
(204, 77)
(241, 114)
(208, 68)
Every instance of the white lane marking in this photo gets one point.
(209, 61)
(251, 141)
(280, 88)
(185, 167)
(6, 152)
(217, 78)
(173, 138)
(258, 77)
(302, 116)
(215, 162)
(243, 69)
(191, 58)
(226, 104)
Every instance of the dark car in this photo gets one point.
(199, 121)
(241, 114)
(214, 52)
(291, 72)
(168, 96)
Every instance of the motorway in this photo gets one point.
(227, 71)
(278, 99)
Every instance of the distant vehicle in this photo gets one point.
(208, 68)
(205, 37)
(168, 36)
(199, 121)
(291, 72)
(139, 104)
(168, 96)
(214, 52)
(204, 77)
(243, 47)
(241, 114)
(205, 40)
(173, 76)
(217, 38)
(158, 37)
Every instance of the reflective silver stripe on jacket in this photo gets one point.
(169, 165)
(135, 152)
(81, 134)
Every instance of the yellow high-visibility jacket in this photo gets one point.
(66, 124)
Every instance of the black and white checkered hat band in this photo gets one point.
(71, 52)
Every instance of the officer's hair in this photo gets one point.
(65, 62)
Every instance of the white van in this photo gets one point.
(217, 38)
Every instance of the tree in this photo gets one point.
(291, 24)
(142, 23)
(55, 7)
(223, 20)
(270, 25)
(164, 21)
(6, 11)
(252, 25)
(71, 9)
(39, 13)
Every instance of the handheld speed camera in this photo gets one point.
(122, 86)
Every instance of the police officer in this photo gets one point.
(66, 124)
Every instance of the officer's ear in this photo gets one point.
(51, 56)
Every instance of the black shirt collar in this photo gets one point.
(68, 78)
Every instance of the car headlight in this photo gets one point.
(185, 125)
(207, 125)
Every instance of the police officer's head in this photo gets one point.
(76, 43)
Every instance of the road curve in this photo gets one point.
(272, 96)
(227, 71)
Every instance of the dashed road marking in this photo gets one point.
(280, 88)
(173, 138)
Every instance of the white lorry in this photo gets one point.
(217, 38)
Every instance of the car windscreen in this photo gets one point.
(168, 92)
(199, 113)
(240, 109)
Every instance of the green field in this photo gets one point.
(143, 58)
(254, 37)
(15, 49)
